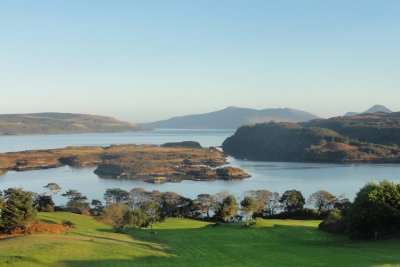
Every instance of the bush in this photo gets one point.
(375, 212)
(303, 214)
(334, 223)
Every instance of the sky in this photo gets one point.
(146, 60)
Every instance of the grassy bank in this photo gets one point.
(181, 242)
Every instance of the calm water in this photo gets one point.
(274, 176)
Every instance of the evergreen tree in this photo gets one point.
(19, 210)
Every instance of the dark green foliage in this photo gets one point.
(334, 223)
(301, 214)
(349, 139)
(19, 210)
(375, 212)
(116, 195)
(292, 200)
(174, 205)
(277, 141)
(77, 202)
(379, 128)
(44, 203)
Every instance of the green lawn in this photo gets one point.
(181, 242)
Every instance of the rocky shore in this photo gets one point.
(150, 163)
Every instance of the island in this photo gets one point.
(364, 138)
(149, 163)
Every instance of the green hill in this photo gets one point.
(380, 128)
(183, 242)
(59, 123)
(362, 138)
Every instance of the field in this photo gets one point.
(181, 242)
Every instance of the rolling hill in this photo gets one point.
(59, 123)
(232, 118)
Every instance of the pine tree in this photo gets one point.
(19, 210)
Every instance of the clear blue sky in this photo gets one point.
(148, 60)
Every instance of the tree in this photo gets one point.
(97, 204)
(19, 211)
(77, 202)
(53, 188)
(322, 200)
(204, 202)
(137, 196)
(268, 201)
(228, 208)
(118, 215)
(116, 195)
(249, 205)
(152, 211)
(44, 203)
(375, 212)
(292, 200)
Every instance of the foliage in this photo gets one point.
(322, 200)
(332, 140)
(228, 208)
(19, 211)
(77, 202)
(118, 215)
(204, 203)
(249, 205)
(44, 203)
(375, 212)
(53, 188)
(116, 195)
(268, 202)
(292, 200)
(334, 223)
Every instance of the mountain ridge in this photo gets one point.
(231, 118)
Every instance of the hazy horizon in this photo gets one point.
(142, 61)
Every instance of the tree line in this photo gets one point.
(375, 212)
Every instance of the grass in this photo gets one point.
(182, 242)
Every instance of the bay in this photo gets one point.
(274, 176)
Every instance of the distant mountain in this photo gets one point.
(58, 123)
(373, 109)
(232, 118)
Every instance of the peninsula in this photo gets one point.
(364, 138)
(61, 123)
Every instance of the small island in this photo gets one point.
(149, 163)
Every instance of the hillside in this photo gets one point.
(184, 242)
(379, 128)
(60, 123)
(373, 109)
(232, 118)
(362, 138)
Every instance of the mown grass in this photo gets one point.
(181, 242)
